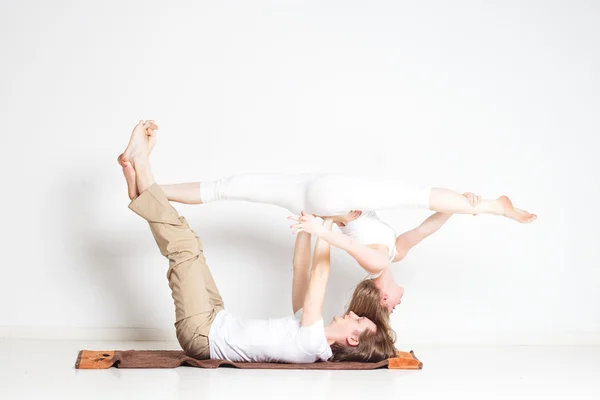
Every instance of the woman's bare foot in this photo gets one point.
(509, 211)
(139, 143)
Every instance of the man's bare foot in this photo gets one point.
(130, 177)
(129, 173)
(139, 143)
(151, 133)
(509, 211)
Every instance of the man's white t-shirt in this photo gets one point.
(267, 340)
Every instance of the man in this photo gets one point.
(204, 329)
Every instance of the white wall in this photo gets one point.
(500, 98)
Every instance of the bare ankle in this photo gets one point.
(140, 162)
(144, 183)
(144, 175)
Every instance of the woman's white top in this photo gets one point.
(369, 229)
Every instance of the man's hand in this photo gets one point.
(473, 199)
(307, 223)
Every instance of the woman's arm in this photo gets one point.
(317, 285)
(431, 225)
(301, 270)
(372, 259)
(410, 239)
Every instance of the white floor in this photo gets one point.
(31, 369)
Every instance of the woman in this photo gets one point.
(205, 330)
(351, 202)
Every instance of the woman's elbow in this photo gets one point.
(375, 268)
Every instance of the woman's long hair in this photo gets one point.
(372, 347)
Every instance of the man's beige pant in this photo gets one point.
(197, 299)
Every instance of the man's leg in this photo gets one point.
(193, 289)
(150, 127)
(209, 283)
(196, 298)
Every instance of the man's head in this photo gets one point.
(360, 339)
(347, 329)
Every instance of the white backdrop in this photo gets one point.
(500, 98)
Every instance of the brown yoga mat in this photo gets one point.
(92, 359)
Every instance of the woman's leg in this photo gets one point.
(336, 194)
(449, 201)
(283, 190)
(186, 193)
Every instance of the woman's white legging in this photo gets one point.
(319, 194)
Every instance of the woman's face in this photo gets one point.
(392, 297)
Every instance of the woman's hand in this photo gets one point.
(307, 223)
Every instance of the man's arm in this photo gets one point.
(301, 270)
(319, 275)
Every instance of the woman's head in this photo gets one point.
(371, 297)
(390, 295)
